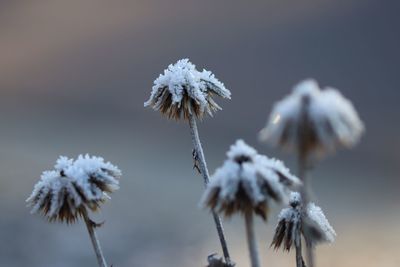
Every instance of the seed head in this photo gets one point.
(247, 182)
(314, 120)
(291, 224)
(183, 90)
(67, 192)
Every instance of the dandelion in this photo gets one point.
(72, 189)
(291, 224)
(183, 92)
(247, 182)
(313, 122)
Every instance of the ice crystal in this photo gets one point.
(63, 163)
(313, 119)
(183, 90)
(248, 181)
(67, 192)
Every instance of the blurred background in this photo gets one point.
(73, 79)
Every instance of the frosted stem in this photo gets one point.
(95, 242)
(299, 257)
(251, 240)
(305, 196)
(204, 172)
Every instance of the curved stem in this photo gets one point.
(204, 172)
(93, 237)
(251, 240)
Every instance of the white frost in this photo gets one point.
(240, 148)
(254, 173)
(86, 168)
(333, 118)
(62, 163)
(315, 219)
(84, 181)
(318, 219)
(183, 78)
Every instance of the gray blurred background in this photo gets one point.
(73, 79)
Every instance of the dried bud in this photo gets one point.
(183, 90)
(313, 120)
(67, 192)
(248, 181)
(291, 223)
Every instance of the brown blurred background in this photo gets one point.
(73, 79)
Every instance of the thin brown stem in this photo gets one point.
(251, 240)
(95, 241)
(204, 172)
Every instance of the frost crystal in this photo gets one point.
(183, 90)
(67, 192)
(248, 181)
(314, 226)
(317, 120)
(62, 163)
(318, 226)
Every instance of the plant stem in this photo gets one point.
(305, 196)
(251, 240)
(95, 242)
(204, 171)
(299, 257)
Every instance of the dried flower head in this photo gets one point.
(291, 224)
(247, 182)
(314, 120)
(67, 192)
(317, 227)
(183, 90)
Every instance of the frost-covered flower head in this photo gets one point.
(183, 90)
(67, 192)
(248, 181)
(317, 227)
(314, 120)
(291, 224)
